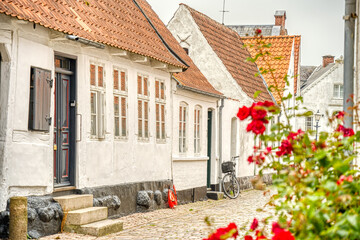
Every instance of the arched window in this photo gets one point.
(183, 109)
(197, 129)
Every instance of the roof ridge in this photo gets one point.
(281, 36)
(209, 18)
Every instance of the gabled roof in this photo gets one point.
(317, 74)
(117, 23)
(192, 78)
(305, 73)
(281, 46)
(228, 46)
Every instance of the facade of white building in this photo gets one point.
(322, 92)
(216, 50)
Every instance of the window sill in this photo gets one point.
(121, 139)
(189, 159)
(160, 141)
(144, 140)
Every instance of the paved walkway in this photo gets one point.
(187, 221)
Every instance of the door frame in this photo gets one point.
(72, 115)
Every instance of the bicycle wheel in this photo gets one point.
(231, 186)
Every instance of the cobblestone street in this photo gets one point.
(187, 221)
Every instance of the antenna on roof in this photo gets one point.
(223, 13)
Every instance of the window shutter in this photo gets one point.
(40, 99)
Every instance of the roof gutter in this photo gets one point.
(159, 35)
(197, 90)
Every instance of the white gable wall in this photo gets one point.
(319, 96)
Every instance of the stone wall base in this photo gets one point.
(192, 195)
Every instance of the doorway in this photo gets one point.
(64, 122)
(209, 143)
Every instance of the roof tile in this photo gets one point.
(281, 46)
(118, 23)
(228, 46)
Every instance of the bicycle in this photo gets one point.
(230, 184)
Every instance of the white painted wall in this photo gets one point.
(183, 26)
(190, 168)
(319, 96)
(27, 163)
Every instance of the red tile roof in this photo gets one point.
(281, 46)
(228, 46)
(192, 77)
(118, 23)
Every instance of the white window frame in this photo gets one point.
(183, 126)
(309, 120)
(160, 110)
(144, 100)
(100, 103)
(197, 129)
(121, 94)
(338, 91)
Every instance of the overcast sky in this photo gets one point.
(319, 22)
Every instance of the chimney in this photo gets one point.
(280, 17)
(328, 59)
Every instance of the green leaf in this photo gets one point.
(353, 220)
(256, 94)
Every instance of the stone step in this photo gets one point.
(102, 228)
(215, 195)
(75, 202)
(86, 215)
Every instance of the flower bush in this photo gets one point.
(317, 185)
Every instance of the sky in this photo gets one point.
(319, 22)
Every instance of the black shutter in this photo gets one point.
(40, 99)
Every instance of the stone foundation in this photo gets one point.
(192, 195)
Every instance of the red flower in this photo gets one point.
(344, 178)
(230, 231)
(254, 224)
(340, 128)
(257, 112)
(268, 150)
(285, 148)
(283, 234)
(349, 178)
(275, 227)
(348, 132)
(268, 104)
(340, 115)
(258, 31)
(243, 113)
(256, 126)
(248, 237)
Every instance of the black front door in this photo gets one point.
(209, 128)
(64, 122)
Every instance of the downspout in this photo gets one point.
(220, 143)
(350, 16)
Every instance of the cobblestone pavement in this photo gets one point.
(187, 221)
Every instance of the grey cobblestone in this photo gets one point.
(187, 221)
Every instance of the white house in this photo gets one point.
(87, 100)
(217, 51)
(323, 92)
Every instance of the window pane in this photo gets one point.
(163, 113)
(116, 106)
(145, 87)
(157, 130)
(123, 107)
(163, 130)
(123, 127)
(157, 112)
(117, 130)
(116, 79)
(139, 109)
(162, 90)
(341, 91)
(146, 131)
(146, 110)
(139, 85)
(157, 94)
(100, 76)
(140, 128)
(123, 81)
(92, 75)
(93, 102)
(180, 114)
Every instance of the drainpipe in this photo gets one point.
(350, 15)
(220, 142)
